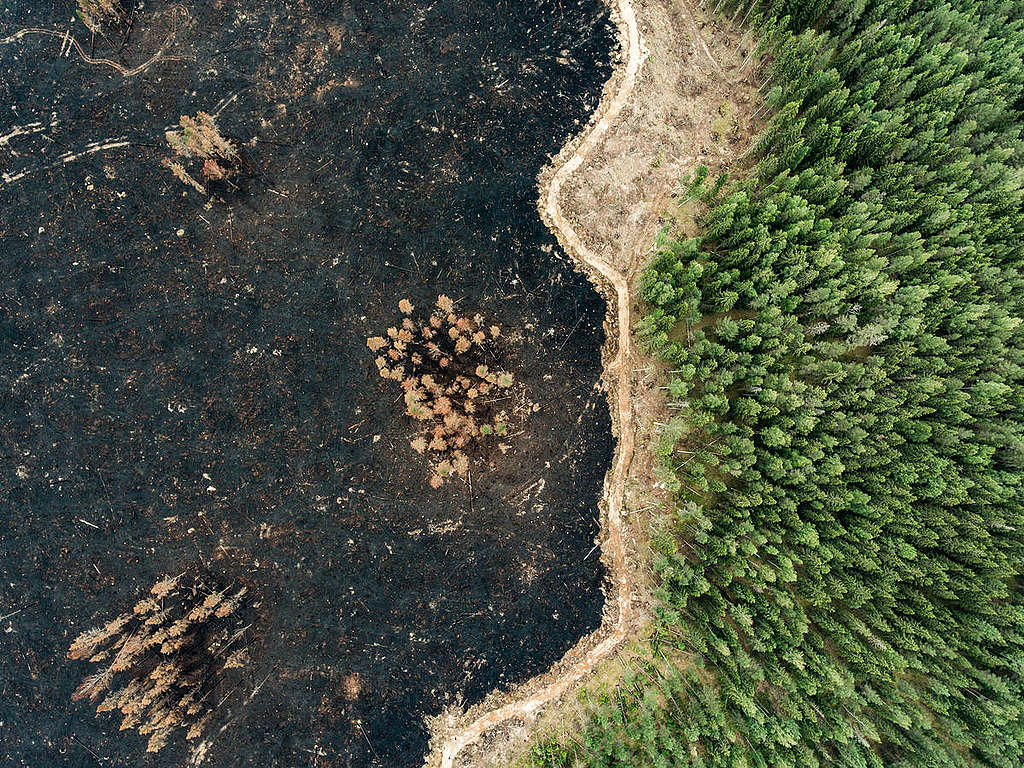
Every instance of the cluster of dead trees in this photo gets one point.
(201, 150)
(105, 16)
(160, 662)
(443, 361)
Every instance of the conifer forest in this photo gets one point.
(839, 572)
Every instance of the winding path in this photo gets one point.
(617, 374)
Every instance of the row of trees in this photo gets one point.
(841, 575)
(162, 664)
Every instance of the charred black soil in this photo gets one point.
(185, 383)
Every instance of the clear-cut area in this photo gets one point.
(207, 209)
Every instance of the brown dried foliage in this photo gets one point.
(101, 15)
(200, 142)
(443, 363)
(162, 660)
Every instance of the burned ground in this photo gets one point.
(184, 381)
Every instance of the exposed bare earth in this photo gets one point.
(684, 94)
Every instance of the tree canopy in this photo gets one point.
(841, 570)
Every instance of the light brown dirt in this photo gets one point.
(684, 94)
